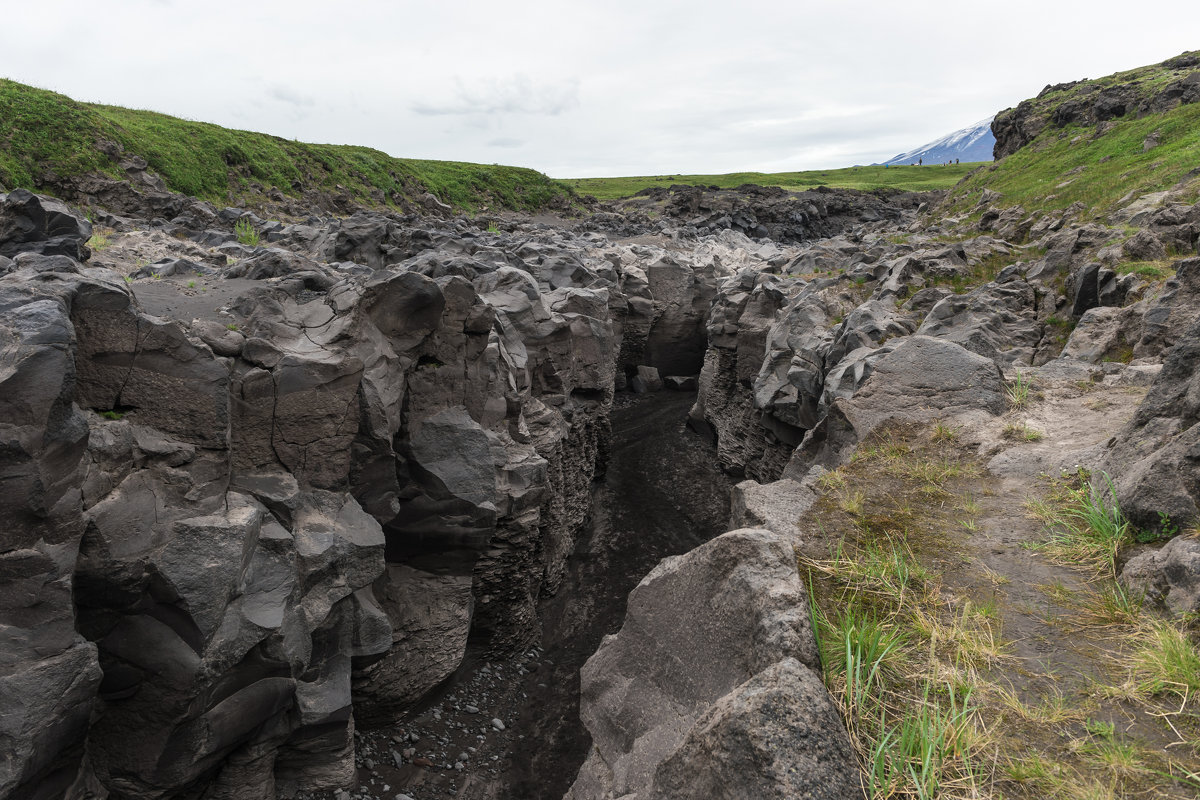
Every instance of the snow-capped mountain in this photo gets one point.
(973, 143)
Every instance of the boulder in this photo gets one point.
(1144, 246)
(1169, 576)
(777, 506)
(681, 383)
(996, 320)
(1102, 333)
(1172, 312)
(646, 380)
(696, 628)
(1155, 459)
(778, 736)
(927, 376)
(171, 267)
(31, 223)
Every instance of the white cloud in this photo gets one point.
(516, 94)
(289, 96)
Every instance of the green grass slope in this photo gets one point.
(905, 178)
(1075, 155)
(46, 137)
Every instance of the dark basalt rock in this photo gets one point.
(1156, 458)
(31, 223)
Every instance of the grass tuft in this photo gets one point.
(1166, 662)
(1018, 390)
(1084, 525)
(1022, 433)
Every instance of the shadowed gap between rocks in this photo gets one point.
(662, 495)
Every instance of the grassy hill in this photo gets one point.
(46, 137)
(906, 178)
(1097, 142)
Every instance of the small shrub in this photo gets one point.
(833, 479)
(852, 502)
(1153, 270)
(245, 232)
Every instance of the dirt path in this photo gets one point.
(1020, 654)
(1073, 424)
(1066, 653)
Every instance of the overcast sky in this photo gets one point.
(580, 89)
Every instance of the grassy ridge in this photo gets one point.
(907, 178)
(1067, 165)
(46, 136)
(1081, 156)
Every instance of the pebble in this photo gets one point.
(497, 724)
(399, 762)
(471, 710)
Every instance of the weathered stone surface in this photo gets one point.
(998, 321)
(430, 617)
(741, 317)
(48, 673)
(1103, 333)
(1173, 312)
(696, 628)
(646, 380)
(927, 375)
(778, 506)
